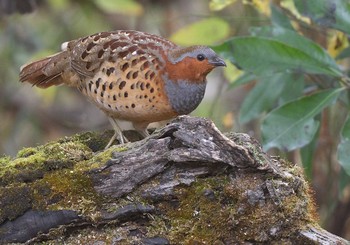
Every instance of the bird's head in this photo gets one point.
(192, 64)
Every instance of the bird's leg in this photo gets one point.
(141, 128)
(117, 133)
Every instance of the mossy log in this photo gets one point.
(185, 184)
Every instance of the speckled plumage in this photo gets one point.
(130, 75)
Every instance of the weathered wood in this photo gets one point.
(186, 183)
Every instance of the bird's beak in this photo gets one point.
(217, 61)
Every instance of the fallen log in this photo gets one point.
(185, 184)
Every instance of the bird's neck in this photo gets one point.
(184, 96)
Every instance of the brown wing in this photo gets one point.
(88, 53)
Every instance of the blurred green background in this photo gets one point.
(36, 28)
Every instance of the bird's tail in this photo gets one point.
(45, 72)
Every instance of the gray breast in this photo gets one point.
(184, 97)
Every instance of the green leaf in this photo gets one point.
(292, 125)
(297, 41)
(226, 51)
(265, 56)
(294, 85)
(261, 97)
(343, 54)
(206, 32)
(278, 18)
(128, 7)
(216, 5)
(243, 79)
(344, 147)
(327, 13)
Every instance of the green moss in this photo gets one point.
(229, 213)
(71, 189)
(198, 217)
(26, 152)
(32, 163)
(55, 176)
(99, 158)
(94, 140)
(210, 211)
(14, 201)
(4, 161)
(22, 169)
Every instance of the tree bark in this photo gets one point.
(185, 184)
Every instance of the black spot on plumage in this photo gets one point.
(123, 54)
(135, 74)
(98, 82)
(104, 87)
(144, 66)
(90, 46)
(132, 86)
(110, 71)
(96, 38)
(125, 66)
(100, 53)
(116, 45)
(142, 58)
(122, 85)
(88, 65)
(141, 52)
(142, 86)
(84, 54)
(85, 38)
(151, 90)
(110, 86)
(114, 97)
(133, 105)
(126, 94)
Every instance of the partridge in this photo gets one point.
(130, 75)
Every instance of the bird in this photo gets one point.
(130, 75)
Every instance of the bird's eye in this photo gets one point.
(200, 57)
